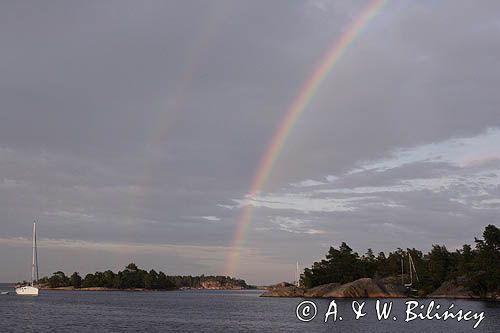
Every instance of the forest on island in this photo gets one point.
(133, 277)
(478, 268)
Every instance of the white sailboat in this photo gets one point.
(31, 290)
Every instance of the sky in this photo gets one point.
(132, 131)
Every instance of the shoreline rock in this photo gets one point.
(453, 289)
(388, 287)
(361, 288)
(283, 289)
(320, 291)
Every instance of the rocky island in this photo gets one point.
(133, 278)
(370, 288)
(465, 273)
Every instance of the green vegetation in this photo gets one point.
(479, 268)
(134, 278)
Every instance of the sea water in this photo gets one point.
(217, 311)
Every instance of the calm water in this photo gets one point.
(208, 311)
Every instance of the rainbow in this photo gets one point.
(298, 106)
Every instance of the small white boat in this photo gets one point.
(27, 290)
(4, 292)
(31, 290)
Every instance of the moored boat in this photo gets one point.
(31, 290)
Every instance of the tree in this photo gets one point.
(108, 279)
(461, 262)
(341, 265)
(75, 280)
(117, 281)
(133, 277)
(487, 267)
(164, 282)
(478, 269)
(43, 281)
(131, 268)
(98, 280)
(88, 281)
(369, 263)
(438, 265)
(151, 280)
(491, 237)
(58, 279)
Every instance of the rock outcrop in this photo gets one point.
(320, 291)
(283, 289)
(216, 284)
(361, 288)
(453, 289)
(393, 286)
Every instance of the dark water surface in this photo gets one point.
(210, 311)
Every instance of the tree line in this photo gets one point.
(478, 267)
(133, 277)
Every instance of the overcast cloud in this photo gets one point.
(132, 131)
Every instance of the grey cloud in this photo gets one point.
(119, 119)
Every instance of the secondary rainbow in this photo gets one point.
(298, 106)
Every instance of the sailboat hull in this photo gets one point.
(27, 291)
(31, 290)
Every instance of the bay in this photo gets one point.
(211, 311)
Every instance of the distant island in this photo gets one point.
(134, 278)
(464, 273)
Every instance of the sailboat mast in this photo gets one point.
(412, 264)
(33, 255)
(36, 253)
(297, 277)
(409, 264)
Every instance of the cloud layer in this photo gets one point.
(141, 125)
